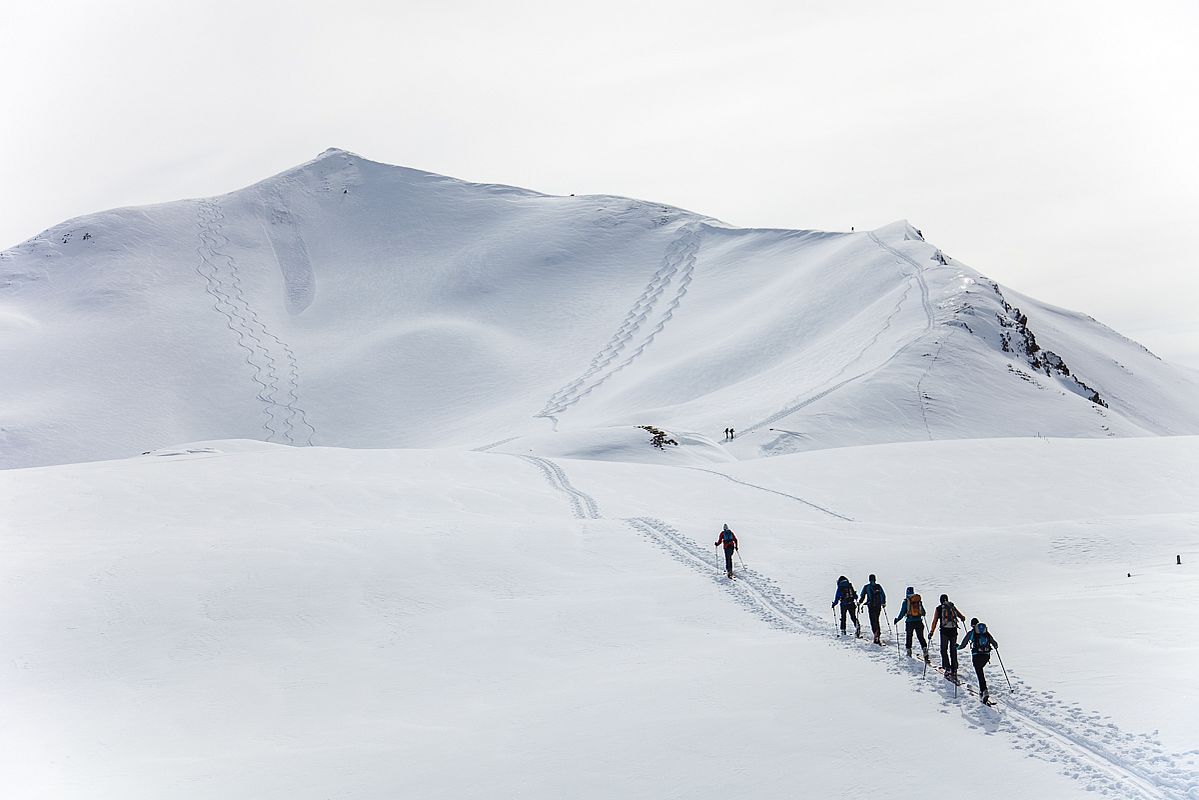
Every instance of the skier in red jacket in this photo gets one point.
(729, 540)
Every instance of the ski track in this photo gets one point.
(807, 503)
(582, 505)
(918, 278)
(1106, 760)
(279, 389)
(487, 447)
(680, 258)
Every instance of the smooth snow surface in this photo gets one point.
(224, 620)
(355, 304)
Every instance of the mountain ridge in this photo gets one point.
(352, 303)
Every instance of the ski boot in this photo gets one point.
(926, 661)
(858, 632)
(876, 640)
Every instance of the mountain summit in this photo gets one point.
(350, 303)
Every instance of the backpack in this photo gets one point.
(948, 612)
(848, 595)
(728, 538)
(872, 593)
(915, 607)
(982, 639)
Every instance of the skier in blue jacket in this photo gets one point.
(847, 597)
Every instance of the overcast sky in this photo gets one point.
(1051, 145)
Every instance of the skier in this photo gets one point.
(732, 433)
(726, 434)
(729, 540)
(913, 611)
(846, 596)
(875, 600)
(981, 641)
(948, 615)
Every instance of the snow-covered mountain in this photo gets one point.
(548, 617)
(351, 303)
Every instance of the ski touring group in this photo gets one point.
(912, 614)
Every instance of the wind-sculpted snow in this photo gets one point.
(290, 252)
(1097, 754)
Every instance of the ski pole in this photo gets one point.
(739, 558)
(1005, 677)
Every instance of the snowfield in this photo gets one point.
(256, 621)
(333, 487)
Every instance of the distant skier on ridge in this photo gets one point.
(729, 540)
(875, 600)
(913, 611)
(846, 596)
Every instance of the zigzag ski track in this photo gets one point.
(1106, 760)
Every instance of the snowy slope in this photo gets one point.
(232, 619)
(356, 304)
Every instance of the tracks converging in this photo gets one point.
(275, 370)
(1099, 755)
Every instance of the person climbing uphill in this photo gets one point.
(846, 596)
(729, 540)
(981, 641)
(875, 600)
(948, 615)
(913, 611)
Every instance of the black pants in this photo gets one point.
(847, 608)
(949, 649)
(728, 559)
(875, 627)
(918, 627)
(980, 661)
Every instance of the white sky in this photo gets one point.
(1051, 145)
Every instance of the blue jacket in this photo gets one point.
(875, 597)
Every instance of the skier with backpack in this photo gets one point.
(981, 642)
(846, 596)
(875, 600)
(912, 611)
(948, 615)
(729, 540)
